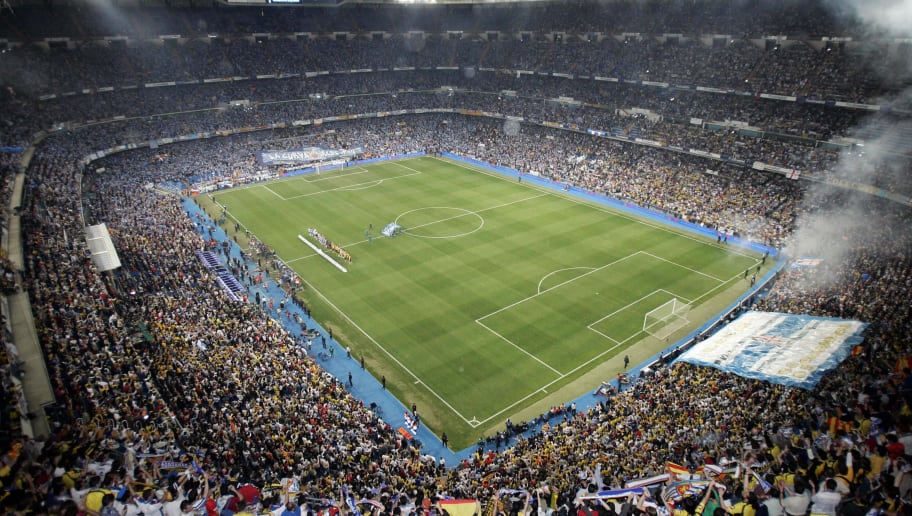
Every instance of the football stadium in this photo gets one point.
(456, 257)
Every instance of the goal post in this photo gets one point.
(666, 319)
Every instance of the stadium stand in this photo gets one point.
(152, 365)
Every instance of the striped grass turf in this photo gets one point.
(497, 294)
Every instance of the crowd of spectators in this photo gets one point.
(229, 384)
(759, 207)
(814, 121)
(796, 68)
(764, 130)
(671, 127)
(152, 363)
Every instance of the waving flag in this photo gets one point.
(372, 503)
(461, 507)
(649, 481)
(681, 490)
(676, 469)
(713, 471)
(410, 422)
(503, 492)
(613, 493)
(350, 501)
(761, 483)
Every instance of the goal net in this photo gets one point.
(666, 319)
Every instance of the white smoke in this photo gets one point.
(887, 17)
(511, 127)
(836, 223)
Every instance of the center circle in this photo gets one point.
(440, 222)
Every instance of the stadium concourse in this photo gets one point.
(173, 398)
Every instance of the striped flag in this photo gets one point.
(614, 493)
(461, 507)
(676, 469)
(681, 490)
(649, 481)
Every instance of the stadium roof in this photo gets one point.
(12, 4)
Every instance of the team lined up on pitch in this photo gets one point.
(329, 244)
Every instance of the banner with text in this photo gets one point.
(793, 350)
(306, 155)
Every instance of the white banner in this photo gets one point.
(306, 155)
(795, 350)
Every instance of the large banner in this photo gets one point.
(794, 350)
(306, 155)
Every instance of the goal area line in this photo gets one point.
(592, 326)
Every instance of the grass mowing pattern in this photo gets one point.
(497, 294)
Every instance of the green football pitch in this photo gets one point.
(500, 299)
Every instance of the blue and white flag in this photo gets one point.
(613, 493)
(793, 350)
(648, 481)
(410, 422)
(764, 485)
(292, 484)
(171, 464)
(350, 501)
(680, 490)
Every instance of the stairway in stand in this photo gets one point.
(223, 275)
